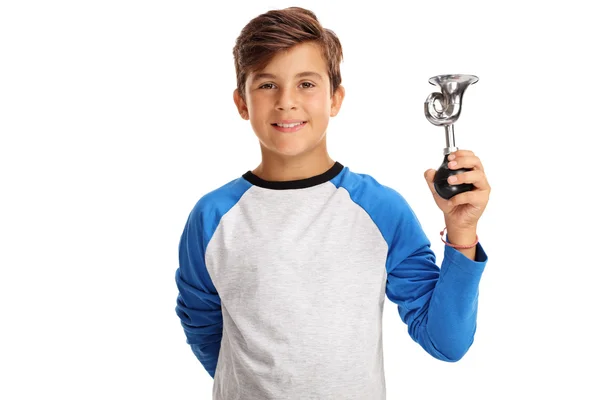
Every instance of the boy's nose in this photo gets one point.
(286, 100)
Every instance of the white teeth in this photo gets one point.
(289, 125)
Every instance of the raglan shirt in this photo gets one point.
(281, 286)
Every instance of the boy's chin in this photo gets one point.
(290, 150)
(290, 153)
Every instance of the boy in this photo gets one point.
(283, 270)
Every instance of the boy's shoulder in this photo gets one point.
(222, 198)
(386, 206)
(365, 188)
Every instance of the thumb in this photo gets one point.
(429, 174)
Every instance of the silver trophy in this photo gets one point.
(444, 109)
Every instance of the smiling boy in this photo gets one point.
(283, 271)
(293, 89)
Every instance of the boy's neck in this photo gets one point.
(290, 169)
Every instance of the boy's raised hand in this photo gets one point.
(463, 210)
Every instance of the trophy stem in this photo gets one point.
(450, 146)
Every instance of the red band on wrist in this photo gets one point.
(459, 246)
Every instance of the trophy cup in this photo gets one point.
(452, 89)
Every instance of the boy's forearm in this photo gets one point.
(452, 314)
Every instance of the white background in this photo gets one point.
(117, 116)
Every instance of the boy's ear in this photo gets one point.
(240, 104)
(336, 101)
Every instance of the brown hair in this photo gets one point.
(277, 30)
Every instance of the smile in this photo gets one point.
(289, 127)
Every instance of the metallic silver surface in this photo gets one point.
(443, 108)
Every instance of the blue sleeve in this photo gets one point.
(439, 306)
(198, 303)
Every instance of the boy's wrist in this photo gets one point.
(462, 238)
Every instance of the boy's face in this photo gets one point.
(279, 93)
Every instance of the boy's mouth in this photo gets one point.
(288, 125)
(293, 127)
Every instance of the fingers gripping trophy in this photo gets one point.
(443, 109)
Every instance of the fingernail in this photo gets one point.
(452, 164)
(451, 157)
(452, 179)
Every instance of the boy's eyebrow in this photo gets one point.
(305, 74)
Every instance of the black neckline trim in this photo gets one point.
(295, 184)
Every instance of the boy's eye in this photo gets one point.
(269, 85)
